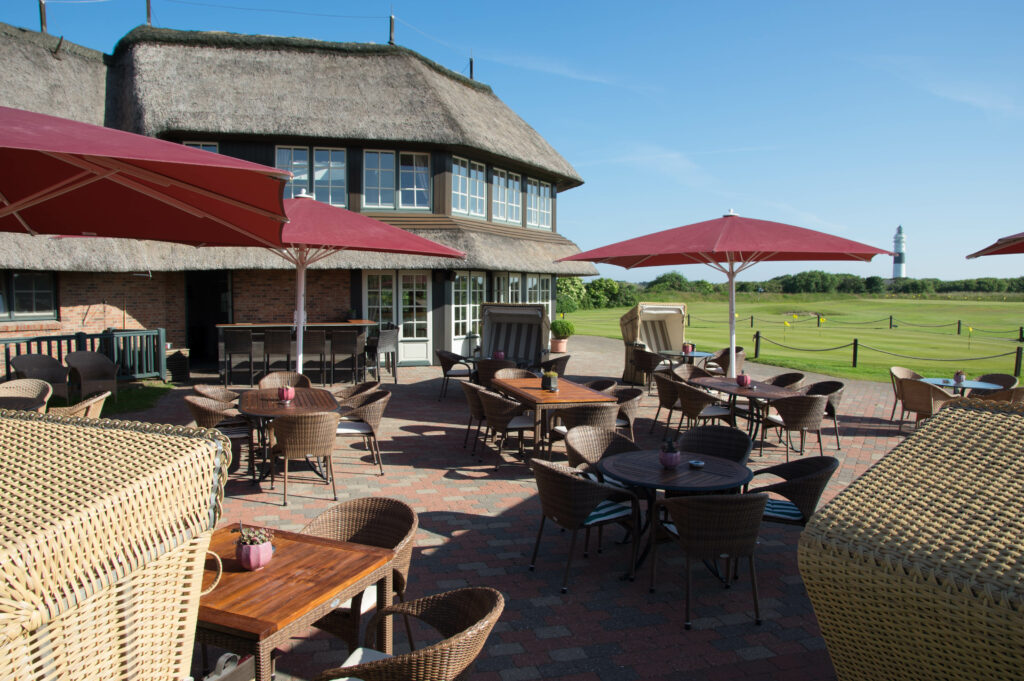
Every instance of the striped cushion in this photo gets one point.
(668, 526)
(782, 509)
(234, 431)
(590, 475)
(608, 510)
(520, 342)
(654, 334)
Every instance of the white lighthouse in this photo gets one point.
(899, 260)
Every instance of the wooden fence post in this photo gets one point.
(819, 321)
(959, 323)
(890, 321)
(855, 353)
(751, 321)
(1016, 362)
(757, 344)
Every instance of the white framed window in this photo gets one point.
(380, 297)
(507, 197)
(468, 291)
(460, 185)
(538, 204)
(296, 161)
(415, 304)
(378, 179)
(500, 282)
(329, 175)
(414, 181)
(538, 290)
(205, 146)
(515, 288)
(477, 189)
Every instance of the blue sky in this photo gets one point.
(851, 118)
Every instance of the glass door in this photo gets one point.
(414, 317)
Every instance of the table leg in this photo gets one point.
(264, 663)
(538, 415)
(385, 627)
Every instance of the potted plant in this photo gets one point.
(561, 329)
(549, 381)
(254, 548)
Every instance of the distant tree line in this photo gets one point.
(573, 294)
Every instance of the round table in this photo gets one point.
(962, 385)
(264, 406)
(677, 357)
(643, 469)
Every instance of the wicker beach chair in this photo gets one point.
(710, 527)
(301, 437)
(465, 617)
(45, 368)
(373, 521)
(34, 392)
(91, 372)
(573, 502)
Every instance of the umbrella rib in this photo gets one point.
(17, 216)
(53, 191)
(165, 180)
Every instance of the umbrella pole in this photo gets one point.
(732, 320)
(300, 311)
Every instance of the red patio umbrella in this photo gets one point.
(315, 230)
(730, 244)
(63, 177)
(1008, 245)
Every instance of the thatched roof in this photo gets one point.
(483, 250)
(228, 84)
(46, 74)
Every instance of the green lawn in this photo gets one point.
(135, 396)
(923, 328)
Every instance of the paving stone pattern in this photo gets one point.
(478, 524)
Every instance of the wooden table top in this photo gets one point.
(528, 391)
(306, 572)
(643, 469)
(265, 402)
(756, 389)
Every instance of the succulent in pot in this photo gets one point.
(255, 546)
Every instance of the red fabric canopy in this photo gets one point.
(64, 177)
(1008, 245)
(730, 238)
(313, 223)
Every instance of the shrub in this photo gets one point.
(562, 328)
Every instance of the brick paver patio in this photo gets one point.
(478, 525)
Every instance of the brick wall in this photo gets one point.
(268, 296)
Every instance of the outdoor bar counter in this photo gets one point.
(258, 330)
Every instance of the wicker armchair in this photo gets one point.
(834, 391)
(895, 374)
(464, 617)
(364, 421)
(721, 441)
(599, 415)
(29, 394)
(284, 379)
(557, 365)
(647, 363)
(385, 344)
(802, 413)
(91, 372)
(922, 399)
(45, 368)
(742, 406)
(718, 363)
(710, 527)
(314, 349)
(512, 372)
(696, 405)
(628, 400)
(1014, 395)
(803, 482)
(586, 445)
(373, 521)
(237, 342)
(277, 343)
(450, 362)
(686, 372)
(668, 398)
(90, 408)
(209, 413)
(476, 411)
(344, 395)
(504, 416)
(574, 502)
(305, 436)
(602, 385)
(348, 347)
(215, 392)
(487, 368)
(1006, 381)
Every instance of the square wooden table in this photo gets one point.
(254, 612)
(529, 392)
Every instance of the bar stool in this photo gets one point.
(314, 342)
(277, 342)
(348, 345)
(237, 342)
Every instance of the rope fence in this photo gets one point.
(1017, 353)
(1013, 335)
